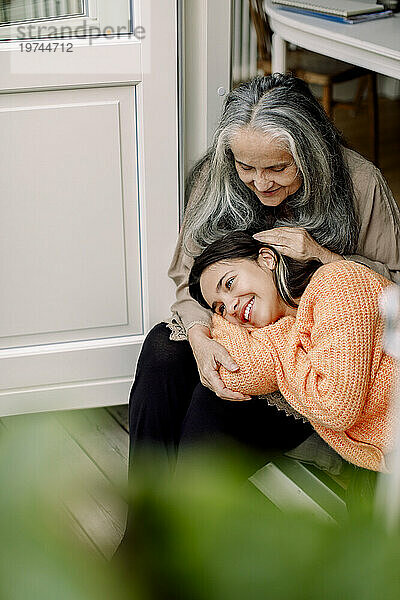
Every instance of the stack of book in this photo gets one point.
(344, 11)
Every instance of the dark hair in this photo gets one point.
(291, 276)
(281, 106)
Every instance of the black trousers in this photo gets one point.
(170, 409)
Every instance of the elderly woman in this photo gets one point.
(278, 168)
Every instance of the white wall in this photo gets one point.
(207, 69)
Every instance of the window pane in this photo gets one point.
(33, 19)
(12, 11)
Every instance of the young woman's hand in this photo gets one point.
(209, 355)
(296, 243)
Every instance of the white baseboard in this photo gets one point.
(87, 394)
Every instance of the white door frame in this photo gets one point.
(151, 66)
(207, 71)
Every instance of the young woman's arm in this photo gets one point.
(327, 363)
(256, 374)
(325, 360)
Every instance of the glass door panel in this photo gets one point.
(15, 11)
(42, 19)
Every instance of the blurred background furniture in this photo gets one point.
(320, 70)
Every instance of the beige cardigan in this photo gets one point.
(378, 244)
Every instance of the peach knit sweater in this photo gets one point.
(328, 362)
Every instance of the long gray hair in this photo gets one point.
(283, 108)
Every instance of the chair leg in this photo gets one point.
(362, 86)
(327, 99)
(373, 113)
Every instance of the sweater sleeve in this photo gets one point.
(188, 310)
(326, 362)
(256, 374)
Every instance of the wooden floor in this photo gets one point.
(91, 453)
(93, 446)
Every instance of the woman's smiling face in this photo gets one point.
(243, 291)
(265, 167)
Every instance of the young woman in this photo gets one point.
(278, 167)
(313, 332)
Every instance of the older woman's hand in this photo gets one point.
(296, 243)
(209, 355)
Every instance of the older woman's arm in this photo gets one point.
(378, 244)
(194, 323)
(187, 311)
(379, 239)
